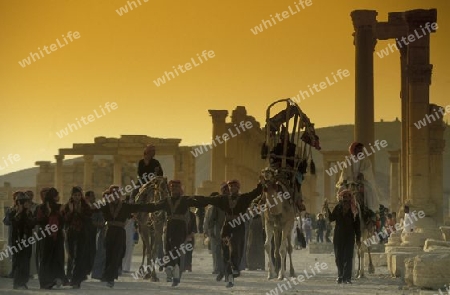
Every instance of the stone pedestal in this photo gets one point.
(445, 230)
(431, 270)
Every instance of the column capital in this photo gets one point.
(364, 18)
(420, 73)
(218, 116)
(417, 17)
(59, 157)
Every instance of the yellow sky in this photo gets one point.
(117, 58)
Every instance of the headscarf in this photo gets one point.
(352, 147)
(175, 182)
(76, 189)
(234, 181)
(353, 204)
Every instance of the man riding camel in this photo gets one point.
(360, 171)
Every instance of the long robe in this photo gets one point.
(78, 242)
(51, 265)
(350, 174)
(22, 226)
(129, 237)
(176, 226)
(233, 206)
(255, 244)
(346, 230)
(100, 254)
(115, 240)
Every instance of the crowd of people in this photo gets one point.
(99, 240)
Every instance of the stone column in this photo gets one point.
(437, 145)
(326, 181)
(405, 119)
(394, 181)
(117, 180)
(59, 175)
(87, 181)
(218, 151)
(419, 80)
(364, 23)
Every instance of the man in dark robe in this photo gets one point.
(77, 214)
(51, 267)
(255, 244)
(39, 243)
(233, 233)
(23, 223)
(149, 165)
(176, 207)
(347, 229)
(115, 214)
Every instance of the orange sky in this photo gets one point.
(116, 58)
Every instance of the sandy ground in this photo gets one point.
(201, 281)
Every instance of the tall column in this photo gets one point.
(326, 180)
(419, 80)
(437, 145)
(117, 170)
(59, 175)
(218, 151)
(405, 119)
(87, 177)
(394, 180)
(364, 23)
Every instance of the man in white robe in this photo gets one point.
(361, 171)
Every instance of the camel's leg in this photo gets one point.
(282, 251)
(360, 273)
(268, 247)
(371, 268)
(291, 266)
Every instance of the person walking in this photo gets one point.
(346, 231)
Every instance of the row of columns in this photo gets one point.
(416, 79)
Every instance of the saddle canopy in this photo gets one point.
(287, 147)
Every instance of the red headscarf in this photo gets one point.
(352, 147)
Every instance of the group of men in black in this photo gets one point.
(73, 221)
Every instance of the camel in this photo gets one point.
(151, 224)
(367, 230)
(278, 219)
(367, 226)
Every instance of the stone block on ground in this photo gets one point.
(397, 262)
(409, 271)
(431, 270)
(432, 245)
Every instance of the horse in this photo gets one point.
(151, 224)
(278, 223)
(367, 225)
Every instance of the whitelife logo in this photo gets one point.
(343, 165)
(53, 47)
(411, 38)
(183, 69)
(124, 9)
(285, 14)
(199, 150)
(90, 118)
